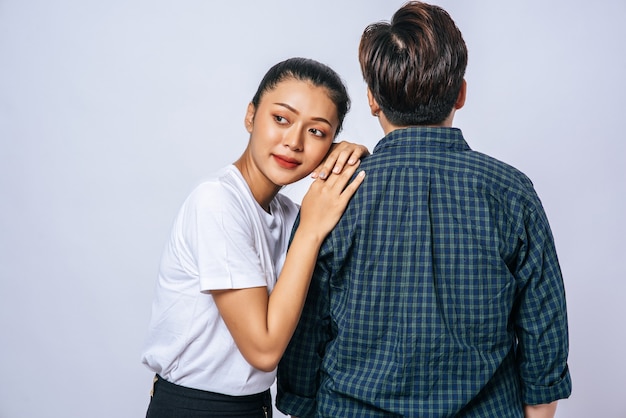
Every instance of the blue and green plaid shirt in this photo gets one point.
(438, 294)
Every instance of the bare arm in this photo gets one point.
(540, 411)
(262, 325)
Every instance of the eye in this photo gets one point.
(281, 120)
(317, 132)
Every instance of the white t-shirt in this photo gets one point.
(221, 239)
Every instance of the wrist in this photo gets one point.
(310, 235)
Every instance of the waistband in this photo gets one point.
(175, 389)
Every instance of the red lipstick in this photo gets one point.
(286, 162)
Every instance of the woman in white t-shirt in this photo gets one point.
(229, 294)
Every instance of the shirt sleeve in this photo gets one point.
(222, 236)
(298, 370)
(541, 316)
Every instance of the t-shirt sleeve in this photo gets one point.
(223, 239)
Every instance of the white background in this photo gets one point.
(110, 112)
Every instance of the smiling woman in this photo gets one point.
(295, 115)
(221, 320)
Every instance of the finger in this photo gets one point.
(340, 180)
(351, 188)
(358, 153)
(327, 167)
(345, 157)
(336, 160)
(316, 173)
(350, 156)
(347, 191)
(323, 171)
(341, 153)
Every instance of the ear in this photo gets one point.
(249, 119)
(374, 107)
(460, 100)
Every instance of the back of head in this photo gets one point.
(415, 64)
(312, 71)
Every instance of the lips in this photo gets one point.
(286, 162)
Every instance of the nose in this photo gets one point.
(294, 140)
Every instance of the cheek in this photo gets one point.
(317, 152)
(265, 131)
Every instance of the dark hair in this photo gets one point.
(305, 69)
(414, 65)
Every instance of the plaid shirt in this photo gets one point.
(438, 294)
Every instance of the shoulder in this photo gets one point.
(503, 178)
(492, 166)
(218, 199)
(219, 189)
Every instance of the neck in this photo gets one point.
(390, 127)
(263, 190)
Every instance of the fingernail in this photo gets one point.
(322, 175)
(336, 170)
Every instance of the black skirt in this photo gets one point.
(169, 400)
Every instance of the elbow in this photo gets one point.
(267, 367)
(264, 362)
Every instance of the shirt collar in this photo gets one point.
(424, 137)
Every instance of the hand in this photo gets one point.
(340, 154)
(540, 411)
(326, 200)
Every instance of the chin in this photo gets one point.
(285, 178)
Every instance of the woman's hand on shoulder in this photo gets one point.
(340, 154)
(326, 200)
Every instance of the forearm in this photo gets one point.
(262, 325)
(540, 411)
(287, 299)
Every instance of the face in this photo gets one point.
(291, 130)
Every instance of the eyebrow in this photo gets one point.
(318, 119)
